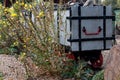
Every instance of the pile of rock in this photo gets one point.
(11, 68)
(112, 68)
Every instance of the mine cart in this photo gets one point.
(87, 30)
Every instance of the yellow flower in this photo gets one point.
(5, 9)
(15, 43)
(22, 56)
(1, 6)
(26, 39)
(30, 24)
(22, 4)
(17, 2)
(0, 36)
(49, 39)
(13, 15)
(25, 6)
(24, 46)
(37, 16)
(11, 10)
(3, 22)
(41, 14)
(30, 6)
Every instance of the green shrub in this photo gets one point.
(80, 70)
(99, 75)
(19, 34)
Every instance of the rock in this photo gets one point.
(11, 68)
(112, 68)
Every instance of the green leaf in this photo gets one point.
(99, 75)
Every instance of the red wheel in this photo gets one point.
(70, 56)
(97, 62)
